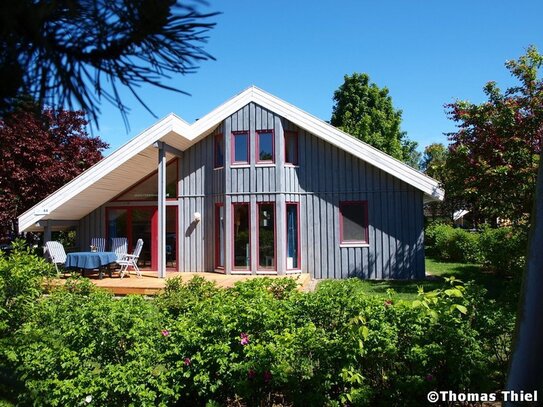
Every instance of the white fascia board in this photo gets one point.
(99, 170)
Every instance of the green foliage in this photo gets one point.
(452, 244)
(365, 111)
(495, 152)
(501, 250)
(504, 249)
(261, 342)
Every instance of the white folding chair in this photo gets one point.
(119, 245)
(99, 243)
(56, 253)
(131, 260)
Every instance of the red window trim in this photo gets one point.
(299, 255)
(366, 227)
(215, 147)
(234, 204)
(257, 147)
(141, 181)
(218, 205)
(296, 135)
(258, 236)
(233, 148)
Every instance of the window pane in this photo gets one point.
(219, 236)
(240, 147)
(241, 237)
(171, 236)
(219, 150)
(354, 221)
(148, 189)
(117, 223)
(266, 236)
(292, 236)
(265, 145)
(291, 148)
(141, 229)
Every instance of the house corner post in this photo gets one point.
(161, 210)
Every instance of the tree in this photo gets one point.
(365, 111)
(433, 161)
(40, 152)
(60, 52)
(494, 156)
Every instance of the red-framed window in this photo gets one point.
(219, 235)
(240, 147)
(293, 236)
(291, 147)
(353, 222)
(266, 239)
(218, 149)
(241, 236)
(265, 146)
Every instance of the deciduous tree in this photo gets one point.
(40, 151)
(494, 156)
(366, 112)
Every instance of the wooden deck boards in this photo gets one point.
(150, 284)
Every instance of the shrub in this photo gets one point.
(259, 343)
(504, 249)
(452, 244)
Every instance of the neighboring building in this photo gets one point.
(256, 186)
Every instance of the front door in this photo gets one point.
(141, 222)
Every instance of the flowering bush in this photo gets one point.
(259, 343)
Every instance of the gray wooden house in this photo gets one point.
(257, 186)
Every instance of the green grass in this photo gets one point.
(500, 288)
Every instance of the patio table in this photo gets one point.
(90, 260)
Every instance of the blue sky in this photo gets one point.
(428, 53)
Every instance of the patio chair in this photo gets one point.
(56, 253)
(131, 260)
(99, 243)
(119, 245)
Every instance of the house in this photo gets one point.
(257, 186)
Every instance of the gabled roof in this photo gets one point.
(137, 158)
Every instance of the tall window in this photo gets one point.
(266, 236)
(219, 150)
(219, 236)
(264, 146)
(240, 148)
(291, 147)
(241, 241)
(354, 222)
(293, 237)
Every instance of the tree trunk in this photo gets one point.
(526, 369)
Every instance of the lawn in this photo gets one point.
(502, 289)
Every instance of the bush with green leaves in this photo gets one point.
(447, 243)
(504, 249)
(260, 343)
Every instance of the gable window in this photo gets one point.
(219, 151)
(264, 146)
(147, 189)
(291, 147)
(240, 147)
(353, 222)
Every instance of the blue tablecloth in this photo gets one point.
(90, 260)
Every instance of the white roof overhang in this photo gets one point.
(137, 158)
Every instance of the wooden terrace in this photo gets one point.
(150, 284)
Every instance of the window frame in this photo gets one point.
(296, 136)
(233, 147)
(355, 243)
(258, 267)
(298, 233)
(257, 146)
(218, 247)
(234, 268)
(216, 144)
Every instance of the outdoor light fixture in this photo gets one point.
(196, 217)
